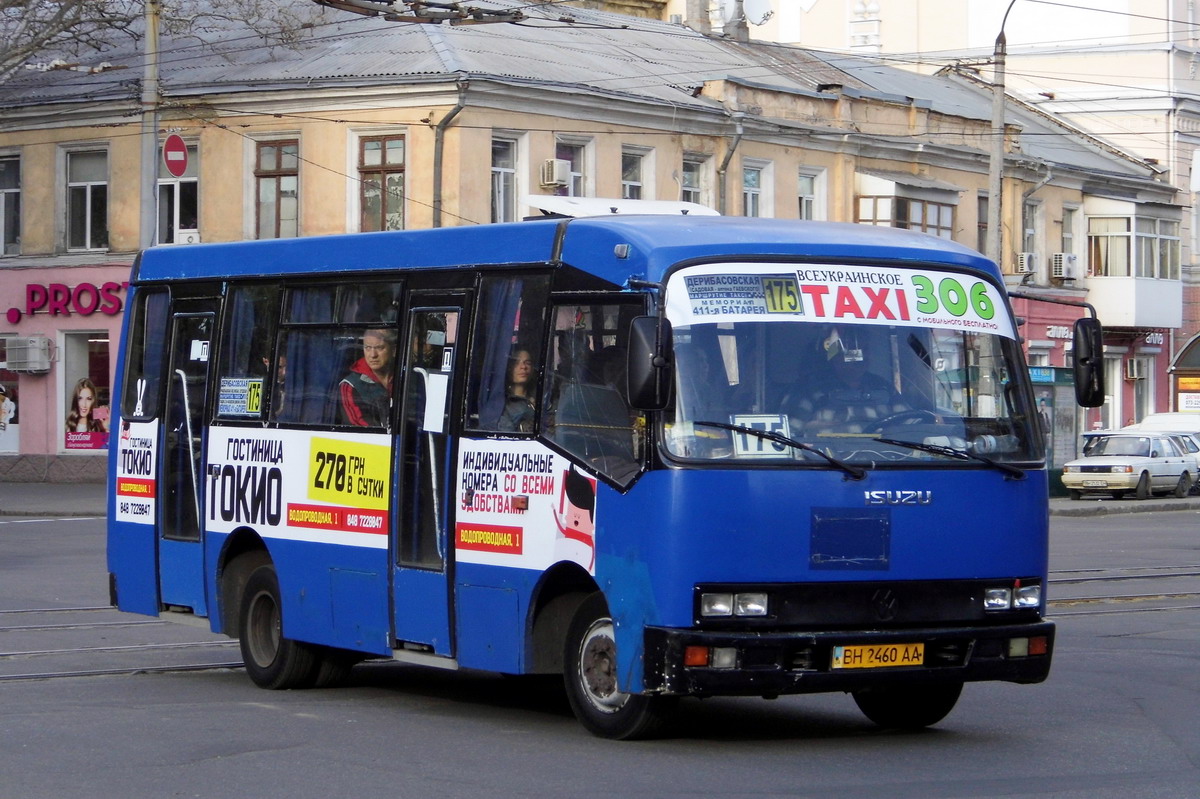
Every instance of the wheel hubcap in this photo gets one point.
(265, 632)
(598, 668)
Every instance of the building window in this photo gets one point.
(277, 180)
(806, 196)
(1029, 220)
(752, 179)
(631, 176)
(1133, 247)
(693, 186)
(908, 213)
(981, 223)
(179, 202)
(574, 154)
(504, 180)
(10, 205)
(381, 181)
(810, 193)
(87, 200)
(1070, 218)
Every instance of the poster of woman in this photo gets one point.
(87, 419)
(9, 438)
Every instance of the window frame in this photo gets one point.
(89, 189)
(504, 180)
(274, 175)
(378, 175)
(10, 207)
(169, 230)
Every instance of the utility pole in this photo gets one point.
(149, 166)
(995, 241)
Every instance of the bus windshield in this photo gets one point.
(806, 375)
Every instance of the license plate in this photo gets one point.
(878, 656)
(1095, 483)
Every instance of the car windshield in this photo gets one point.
(1138, 446)
(761, 385)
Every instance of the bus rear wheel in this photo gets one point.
(272, 661)
(590, 676)
(908, 707)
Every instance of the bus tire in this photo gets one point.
(908, 707)
(334, 668)
(272, 661)
(590, 676)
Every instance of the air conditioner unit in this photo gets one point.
(556, 172)
(1064, 265)
(1135, 369)
(1026, 263)
(28, 354)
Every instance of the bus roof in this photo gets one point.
(654, 245)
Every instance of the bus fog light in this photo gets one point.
(750, 604)
(724, 657)
(997, 599)
(1039, 645)
(1028, 596)
(1018, 647)
(695, 656)
(716, 604)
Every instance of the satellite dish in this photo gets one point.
(757, 11)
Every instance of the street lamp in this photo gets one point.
(996, 162)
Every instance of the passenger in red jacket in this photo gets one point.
(366, 392)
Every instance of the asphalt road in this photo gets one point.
(1116, 719)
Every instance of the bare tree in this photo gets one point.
(53, 33)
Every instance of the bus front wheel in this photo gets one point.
(590, 674)
(272, 661)
(907, 707)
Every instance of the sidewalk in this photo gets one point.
(52, 499)
(88, 499)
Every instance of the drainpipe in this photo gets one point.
(722, 176)
(439, 146)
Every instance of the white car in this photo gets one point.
(1117, 462)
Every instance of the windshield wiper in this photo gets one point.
(854, 472)
(959, 454)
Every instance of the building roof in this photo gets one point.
(566, 50)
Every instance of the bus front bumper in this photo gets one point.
(709, 663)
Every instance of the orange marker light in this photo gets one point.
(695, 656)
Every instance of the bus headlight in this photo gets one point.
(747, 603)
(716, 604)
(750, 604)
(997, 599)
(1018, 596)
(1028, 596)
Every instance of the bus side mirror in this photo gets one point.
(1089, 362)
(651, 362)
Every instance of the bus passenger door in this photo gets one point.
(181, 545)
(421, 582)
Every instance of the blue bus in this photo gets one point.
(663, 456)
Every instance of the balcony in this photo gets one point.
(1136, 301)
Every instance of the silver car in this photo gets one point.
(1117, 462)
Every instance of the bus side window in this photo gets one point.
(146, 356)
(510, 316)
(247, 361)
(587, 414)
